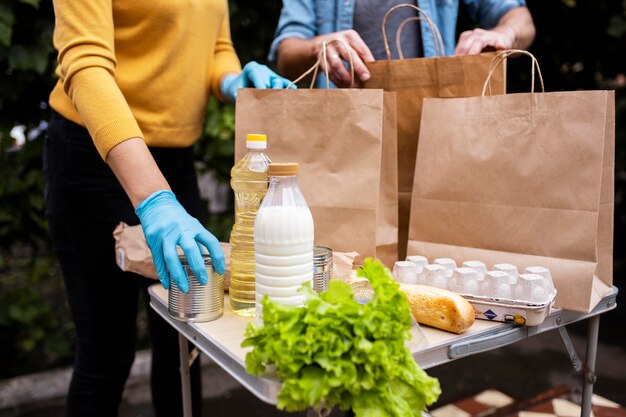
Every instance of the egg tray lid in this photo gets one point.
(510, 311)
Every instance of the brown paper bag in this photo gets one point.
(413, 80)
(345, 143)
(525, 179)
(131, 251)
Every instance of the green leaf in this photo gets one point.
(338, 292)
(7, 20)
(33, 58)
(337, 352)
(617, 26)
(34, 3)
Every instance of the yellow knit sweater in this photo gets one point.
(140, 68)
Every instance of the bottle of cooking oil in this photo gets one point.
(249, 182)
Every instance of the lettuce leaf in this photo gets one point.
(337, 352)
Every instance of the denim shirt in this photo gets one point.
(308, 18)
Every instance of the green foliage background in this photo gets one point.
(580, 45)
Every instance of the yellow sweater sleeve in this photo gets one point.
(140, 68)
(226, 59)
(84, 37)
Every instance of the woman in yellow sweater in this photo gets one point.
(134, 81)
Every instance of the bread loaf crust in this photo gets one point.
(439, 308)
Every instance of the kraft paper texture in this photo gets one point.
(414, 79)
(525, 179)
(345, 143)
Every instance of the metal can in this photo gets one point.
(202, 302)
(322, 268)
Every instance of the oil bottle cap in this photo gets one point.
(256, 141)
(286, 169)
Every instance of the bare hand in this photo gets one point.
(336, 54)
(475, 41)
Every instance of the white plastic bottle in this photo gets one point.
(283, 239)
(249, 182)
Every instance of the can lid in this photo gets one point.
(321, 252)
(205, 257)
(256, 141)
(285, 169)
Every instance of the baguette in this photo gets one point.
(439, 308)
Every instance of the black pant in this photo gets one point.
(84, 203)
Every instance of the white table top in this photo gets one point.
(221, 339)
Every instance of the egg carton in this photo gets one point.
(516, 312)
(499, 294)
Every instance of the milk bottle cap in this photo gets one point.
(256, 141)
(285, 169)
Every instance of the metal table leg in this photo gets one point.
(586, 369)
(590, 359)
(184, 374)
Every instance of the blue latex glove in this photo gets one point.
(166, 224)
(253, 75)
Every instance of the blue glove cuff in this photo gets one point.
(152, 198)
(226, 87)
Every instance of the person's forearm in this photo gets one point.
(135, 168)
(295, 56)
(520, 22)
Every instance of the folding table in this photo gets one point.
(221, 341)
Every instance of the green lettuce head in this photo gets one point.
(337, 352)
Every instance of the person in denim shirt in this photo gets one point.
(305, 24)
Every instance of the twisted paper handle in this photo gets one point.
(322, 58)
(440, 50)
(399, 34)
(501, 57)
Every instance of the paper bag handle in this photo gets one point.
(399, 33)
(433, 29)
(321, 58)
(501, 57)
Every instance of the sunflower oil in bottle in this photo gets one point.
(249, 181)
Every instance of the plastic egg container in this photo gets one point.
(502, 282)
